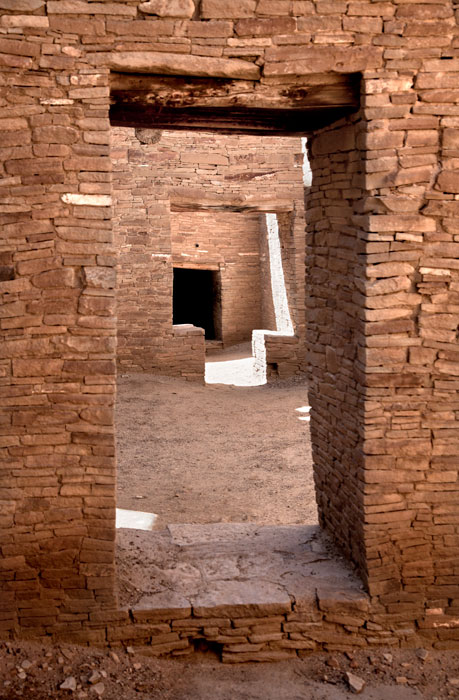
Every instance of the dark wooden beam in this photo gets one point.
(275, 122)
(186, 199)
(316, 90)
(232, 106)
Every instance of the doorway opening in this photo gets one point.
(187, 466)
(196, 299)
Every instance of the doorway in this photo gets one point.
(196, 300)
(190, 581)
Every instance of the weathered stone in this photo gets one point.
(99, 689)
(74, 7)
(448, 181)
(401, 223)
(265, 27)
(174, 64)
(240, 599)
(383, 356)
(148, 135)
(320, 59)
(389, 269)
(183, 9)
(233, 9)
(37, 368)
(37, 22)
(100, 277)
(63, 277)
(389, 285)
(93, 200)
(21, 5)
(355, 683)
(69, 684)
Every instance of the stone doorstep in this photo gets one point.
(213, 346)
(187, 329)
(244, 582)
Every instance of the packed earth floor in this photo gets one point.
(37, 672)
(195, 453)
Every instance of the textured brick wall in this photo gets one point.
(383, 444)
(383, 339)
(335, 321)
(57, 330)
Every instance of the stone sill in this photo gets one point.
(185, 329)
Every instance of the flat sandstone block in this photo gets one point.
(183, 9)
(242, 599)
(174, 64)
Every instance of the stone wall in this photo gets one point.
(334, 317)
(383, 338)
(190, 199)
(229, 242)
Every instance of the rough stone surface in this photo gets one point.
(175, 64)
(356, 684)
(249, 588)
(183, 9)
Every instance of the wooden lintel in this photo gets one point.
(316, 90)
(244, 207)
(232, 106)
(196, 265)
(261, 122)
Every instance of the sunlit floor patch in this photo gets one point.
(305, 411)
(236, 369)
(135, 519)
(235, 372)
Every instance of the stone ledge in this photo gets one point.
(187, 329)
(176, 64)
(257, 592)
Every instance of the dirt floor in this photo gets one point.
(195, 453)
(36, 672)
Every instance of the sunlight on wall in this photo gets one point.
(307, 174)
(284, 323)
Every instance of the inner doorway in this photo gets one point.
(195, 300)
(245, 438)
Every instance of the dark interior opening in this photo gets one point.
(196, 300)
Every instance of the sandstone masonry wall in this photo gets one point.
(334, 319)
(384, 235)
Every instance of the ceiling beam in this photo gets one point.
(232, 106)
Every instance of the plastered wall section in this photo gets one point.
(165, 194)
(384, 235)
(277, 355)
